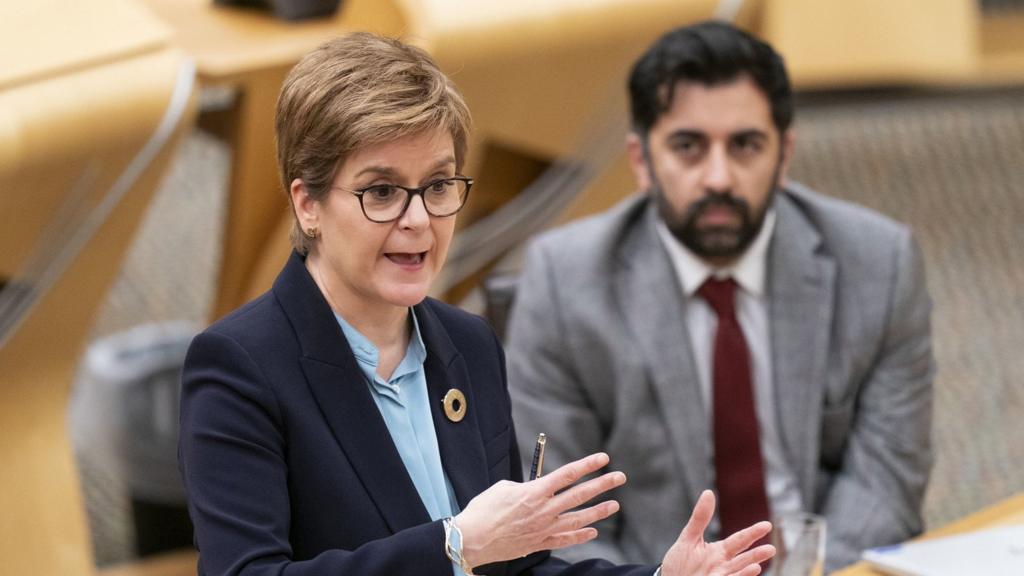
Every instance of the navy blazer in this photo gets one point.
(288, 463)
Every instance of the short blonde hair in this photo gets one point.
(356, 91)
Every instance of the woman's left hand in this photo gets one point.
(692, 556)
(510, 519)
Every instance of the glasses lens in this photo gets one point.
(445, 197)
(383, 202)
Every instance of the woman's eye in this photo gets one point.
(381, 193)
(439, 186)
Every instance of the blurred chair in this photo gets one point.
(124, 429)
(92, 100)
(499, 296)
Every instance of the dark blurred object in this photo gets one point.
(160, 528)
(289, 9)
(124, 424)
(499, 295)
(1002, 5)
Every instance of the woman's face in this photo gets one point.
(367, 265)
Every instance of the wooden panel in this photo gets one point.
(75, 111)
(252, 52)
(536, 74)
(230, 41)
(67, 36)
(173, 564)
(1002, 48)
(835, 43)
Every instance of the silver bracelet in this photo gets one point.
(454, 552)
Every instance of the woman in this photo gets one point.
(343, 422)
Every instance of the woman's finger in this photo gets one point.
(566, 539)
(743, 539)
(748, 571)
(572, 472)
(577, 496)
(582, 518)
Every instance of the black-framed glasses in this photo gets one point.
(387, 202)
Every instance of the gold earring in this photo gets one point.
(312, 232)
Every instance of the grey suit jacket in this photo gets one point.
(599, 359)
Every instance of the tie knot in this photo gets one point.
(720, 294)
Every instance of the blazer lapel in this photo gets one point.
(801, 285)
(462, 451)
(649, 292)
(340, 390)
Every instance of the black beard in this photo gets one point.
(716, 243)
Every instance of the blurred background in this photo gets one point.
(139, 200)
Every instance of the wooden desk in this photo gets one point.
(171, 564)
(92, 101)
(1009, 511)
(251, 52)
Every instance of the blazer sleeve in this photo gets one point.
(542, 563)
(232, 458)
(547, 395)
(876, 498)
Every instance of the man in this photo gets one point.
(726, 328)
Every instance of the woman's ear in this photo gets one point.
(306, 209)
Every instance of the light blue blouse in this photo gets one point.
(405, 406)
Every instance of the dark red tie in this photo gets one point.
(739, 469)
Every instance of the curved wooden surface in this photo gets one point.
(66, 129)
(537, 75)
(250, 52)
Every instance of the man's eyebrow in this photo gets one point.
(750, 133)
(686, 133)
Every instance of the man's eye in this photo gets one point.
(686, 147)
(747, 145)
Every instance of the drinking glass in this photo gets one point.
(799, 540)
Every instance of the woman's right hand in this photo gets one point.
(510, 519)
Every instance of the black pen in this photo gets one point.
(537, 468)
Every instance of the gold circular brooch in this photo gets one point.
(454, 405)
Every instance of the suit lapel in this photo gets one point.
(801, 285)
(649, 293)
(340, 390)
(462, 452)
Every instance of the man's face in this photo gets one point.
(712, 162)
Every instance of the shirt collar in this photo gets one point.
(367, 353)
(748, 270)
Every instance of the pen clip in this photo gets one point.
(537, 467)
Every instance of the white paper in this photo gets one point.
(991, 552)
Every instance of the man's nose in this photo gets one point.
(718, 172)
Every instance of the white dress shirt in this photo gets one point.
(749, 272)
